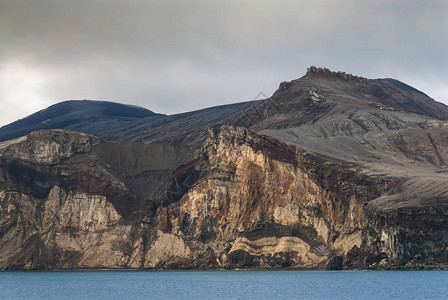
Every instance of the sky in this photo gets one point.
(176, 56)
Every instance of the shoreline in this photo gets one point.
(443, 267)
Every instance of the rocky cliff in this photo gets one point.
(333, 171)
(70, 200)
(265, 204)
(262, 203)
(244, 201)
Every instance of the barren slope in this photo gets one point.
(381, 127)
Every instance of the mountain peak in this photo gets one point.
(324, 72)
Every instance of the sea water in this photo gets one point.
(224, 285)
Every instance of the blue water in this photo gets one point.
(225, 285)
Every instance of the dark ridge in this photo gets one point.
(82, 115)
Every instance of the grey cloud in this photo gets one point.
(174, 56)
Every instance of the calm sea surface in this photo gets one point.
(225, 285)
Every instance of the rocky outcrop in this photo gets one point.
(339, 75)
(39, 148)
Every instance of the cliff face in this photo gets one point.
(406, 238)
(262, 203)
(246, 200)
(70, 200)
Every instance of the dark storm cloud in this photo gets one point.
(174, 56)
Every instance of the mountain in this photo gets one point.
(382, 127)
(80, 115)
(333, 171)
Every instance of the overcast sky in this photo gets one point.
(176, 56)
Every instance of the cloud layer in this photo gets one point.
(175, 56)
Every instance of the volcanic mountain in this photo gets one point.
(333, 170)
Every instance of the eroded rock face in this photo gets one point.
(260, 205)
(69, 231)
(66, 203)
(407, 237)
(246, 200)
(264, 204)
